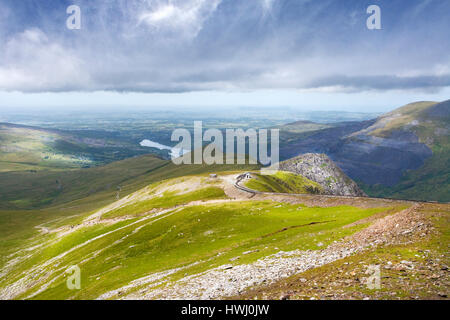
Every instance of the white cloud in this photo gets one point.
(195, 45)
(31, 62)
(184, 17)
(267, 5)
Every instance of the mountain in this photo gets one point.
(322, 170)
(302, 127)
(402, 154)
(199, 237)
(38, 189)
(145, 228)
(429, 124)
(33, 148)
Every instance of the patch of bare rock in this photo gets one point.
(233, 280)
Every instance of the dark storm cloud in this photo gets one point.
(386, 82)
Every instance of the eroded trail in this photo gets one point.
(387, 226)
(229, 280)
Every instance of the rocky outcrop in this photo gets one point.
(383, 150)
(321, 169)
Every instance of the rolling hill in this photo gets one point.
(25, 148)
(144, 228)
(430, 124)
(44, 188)
(198, 237)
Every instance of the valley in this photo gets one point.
(403, 154)
(198, 237)
(207, 156)
(140, 227)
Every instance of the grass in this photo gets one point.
(344, 278)
(34, 148)
(430, 182)
(405, 115)
(192, 234)
(50, 188)
(84, 191)
(167, 200)
(283, 182)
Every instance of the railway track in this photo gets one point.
(255, 192)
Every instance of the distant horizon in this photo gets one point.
(198, 102)
(322, 55)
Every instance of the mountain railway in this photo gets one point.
(255, 192)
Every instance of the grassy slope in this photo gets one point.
(231, 229)
(83, 191)
(432, 180)
(26, 148)
(32, 148)
(403, 116)
(283, 182)
(35, 190)
(343, 279)
(167, 200)
(19, 190)
(208, 234)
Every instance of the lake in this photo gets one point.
(174, 152)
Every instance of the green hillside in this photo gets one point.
(25, 148)
(163, 237)
(432, 180)
(404, 116)
(28, 199)
(27, 190)
(283, 182)
(161, 229)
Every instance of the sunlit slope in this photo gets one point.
(413, 264)
(164, 232)
(28, 190)
(282, 182)
(401, 154)
(29, 199)
(429, 122)
(26, 148)
(409, 115)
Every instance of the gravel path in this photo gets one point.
(229, 280)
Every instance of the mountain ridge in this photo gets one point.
(321, 169)
(387, 155)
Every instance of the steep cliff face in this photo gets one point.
(321, 169)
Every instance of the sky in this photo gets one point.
(310, 54)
